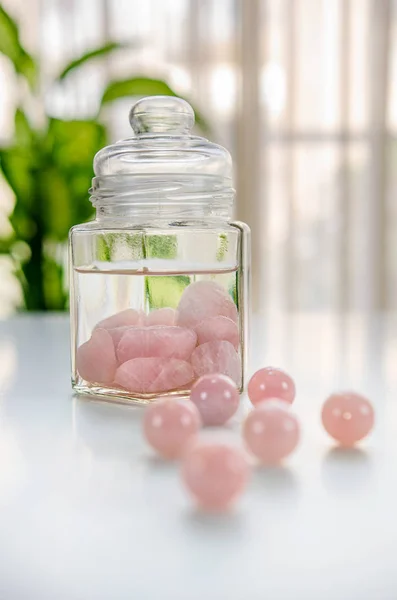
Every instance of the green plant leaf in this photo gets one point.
(56, 202)
(161, 246)
(16, 164)
(70, 148)
(223, 245)
(23, 133)
(9, 36)
(201, 122)
(54, 293)
(94, 54)
(20, 251)
(145, 86)
(136, 86)
(73, 144)
(6, 244)
(11, 47)
(27, 66)
(165, 291)
(23, 224)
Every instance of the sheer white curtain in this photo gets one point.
(303, 92)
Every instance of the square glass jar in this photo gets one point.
(159, 281)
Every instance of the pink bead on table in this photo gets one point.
(169, 425)
(216, 397)
(270, 382)
(215, 473)
(271, 431)
(347, 417)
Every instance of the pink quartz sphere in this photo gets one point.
(215, 473)
(271, 383)
(271, 431)
(169, 425)
(216, 397)
(347, 417)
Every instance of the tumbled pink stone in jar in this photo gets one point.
(217, 356)
(161, 316)
(218, 328)
(204, 299)
(156, 341)
(125, 318)
(154, 375)
(96, 359)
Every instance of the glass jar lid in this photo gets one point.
(164, 146)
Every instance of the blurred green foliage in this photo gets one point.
(163, 292)
(49, 169)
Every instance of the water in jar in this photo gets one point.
(141, 333)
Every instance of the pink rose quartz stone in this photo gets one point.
(204, 299)
(128, 317)
(271, 431)
(217, 357)
(156, 341)
(161, 316)
(271, 383)
(169, 425)
(218, 328)
(96, 359)
(215, 473)
(152, 375)
(216, 397)
(117, 333)
(348, 417)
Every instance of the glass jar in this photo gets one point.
(159, 290)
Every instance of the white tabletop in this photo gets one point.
(87, 512)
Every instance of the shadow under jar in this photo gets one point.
(159, 291)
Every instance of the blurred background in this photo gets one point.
(302, 92)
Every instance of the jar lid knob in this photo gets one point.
(164, 115)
